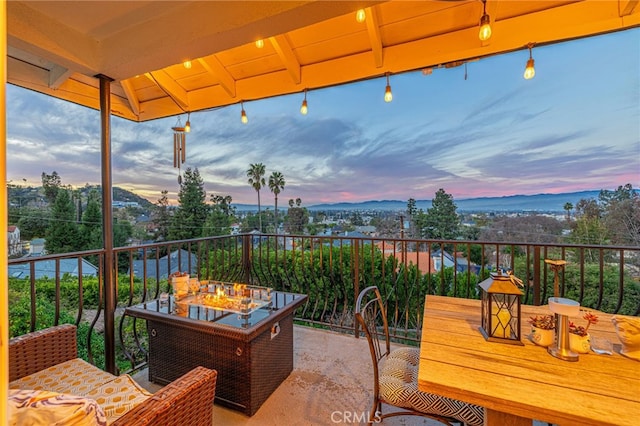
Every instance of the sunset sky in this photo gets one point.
(574, 127)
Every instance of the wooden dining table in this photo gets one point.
(517, 384)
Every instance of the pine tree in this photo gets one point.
(62, 233)
(162, 217)
(190, 216)
(441, 220)
(91, 226)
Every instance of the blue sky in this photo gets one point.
(575, 126)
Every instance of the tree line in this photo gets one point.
(69, 221)
(611, 219)
(72, 218)
(194, 217)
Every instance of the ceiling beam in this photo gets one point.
(130, 94)
(29, 30)
(373, 29)
(284, 51)
(170, 87)
(627, 6)
(58, 75)
(200, 28)
(215, 68)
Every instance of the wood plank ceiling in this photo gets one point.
(59, 47)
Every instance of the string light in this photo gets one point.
(530, 71)
(361, 16)
(485, 23)
(187, 64)
(388, 96)
(260, 43)
(187, 125)
(243, 114)
(304, 109)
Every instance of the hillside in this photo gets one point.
(24, 196)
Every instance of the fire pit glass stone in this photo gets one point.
(238, 298)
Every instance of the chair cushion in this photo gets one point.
(399, 387)
(118, 396)
(75, 376)
(115, 395)
(33, 408)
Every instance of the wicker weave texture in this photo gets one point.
(41, 349)
(187, 401)
(248, 370)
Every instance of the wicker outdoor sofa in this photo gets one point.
(45, 373)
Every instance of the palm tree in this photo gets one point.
(568, 207)
(276, 185)
(256, 180)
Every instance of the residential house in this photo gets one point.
(428, 263)
(36, 247)
(13, 235)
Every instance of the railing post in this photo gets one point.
(246, 257)
(355, 243)
(536, 275)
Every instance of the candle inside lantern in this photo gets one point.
(501, 323)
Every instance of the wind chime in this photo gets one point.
(180, 146)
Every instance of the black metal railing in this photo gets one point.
(330, 270)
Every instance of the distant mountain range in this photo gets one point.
(511, 203)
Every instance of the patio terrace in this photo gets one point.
(331, 383)
(332, 369)
(67, 62)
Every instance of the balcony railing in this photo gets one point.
(330, 270)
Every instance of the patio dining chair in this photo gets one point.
(395, 373)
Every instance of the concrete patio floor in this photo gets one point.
(331, 384)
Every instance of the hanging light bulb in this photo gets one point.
(304, 109)
(485, 23)
(243, 114)
(187, 125)
(361, 16)
(388, 96)
(529, 71)
(187, 64)
(260, 43)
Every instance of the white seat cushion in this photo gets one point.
(399, 387)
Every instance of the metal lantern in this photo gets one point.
(501, 308)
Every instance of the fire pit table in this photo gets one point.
(248, 339)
